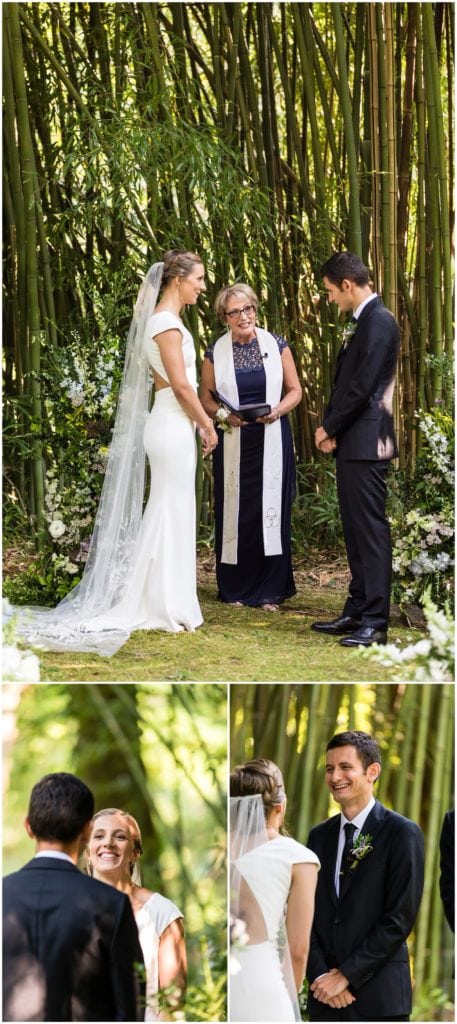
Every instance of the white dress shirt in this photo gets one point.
(57, 854)
(357, 312)
(359, 822)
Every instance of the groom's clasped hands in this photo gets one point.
(333, 989)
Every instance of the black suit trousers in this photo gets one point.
(362, 489)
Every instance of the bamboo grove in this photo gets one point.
(262, 135)
(291, 724)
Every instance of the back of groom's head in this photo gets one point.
(366, 747)
(60, 806)
(347, 266)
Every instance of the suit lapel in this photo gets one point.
(361, 319)
(372, 826)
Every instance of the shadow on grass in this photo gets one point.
(234, 645)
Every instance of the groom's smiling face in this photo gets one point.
(350, 784)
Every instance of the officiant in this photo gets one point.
(249, 384)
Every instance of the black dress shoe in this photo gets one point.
(364, 637)
(343, 624)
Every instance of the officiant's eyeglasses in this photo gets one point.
(235, 314)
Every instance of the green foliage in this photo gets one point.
(432, 1003)
(316, 521)
(206, 996)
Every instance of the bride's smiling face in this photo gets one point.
(111, 847)
(190, 287)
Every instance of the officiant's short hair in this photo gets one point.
(367, 748)
(230, 291)
(60, 806)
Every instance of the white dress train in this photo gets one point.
(257, 977)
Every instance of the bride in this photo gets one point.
(113, 854)
(272, 885)
(141, 569)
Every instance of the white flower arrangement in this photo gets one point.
(431, 659)
(439, 446)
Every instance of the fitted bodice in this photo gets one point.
(267, 870)
(165, 321)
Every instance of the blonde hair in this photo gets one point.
(231, 291)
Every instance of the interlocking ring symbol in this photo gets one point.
(271, 518)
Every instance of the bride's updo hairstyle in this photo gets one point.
(178, 263)
(259, 777)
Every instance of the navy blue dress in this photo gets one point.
(256, 579)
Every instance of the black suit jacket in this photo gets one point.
(359, 412)
(69, 945)
(447, 866)
(364, 932)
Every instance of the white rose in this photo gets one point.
(56, 528)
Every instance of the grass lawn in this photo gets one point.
(239, 644)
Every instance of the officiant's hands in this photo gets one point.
(271, 418)
(235, 421)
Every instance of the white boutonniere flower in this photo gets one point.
(361, 847)
(348, 332)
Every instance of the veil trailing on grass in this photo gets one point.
(72, 625)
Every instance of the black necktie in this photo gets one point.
(349, 830)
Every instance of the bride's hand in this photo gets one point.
(209, 439)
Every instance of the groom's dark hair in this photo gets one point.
(345, 266)
(60, 806)
(367, 748)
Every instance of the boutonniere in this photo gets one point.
(348, 332)
(362, 846)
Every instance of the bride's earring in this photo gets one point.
(90, 869)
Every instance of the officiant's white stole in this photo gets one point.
(224, 371)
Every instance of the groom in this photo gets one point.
(368, 894)
(358, 427)
(69, 942)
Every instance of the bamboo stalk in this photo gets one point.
(431, 842)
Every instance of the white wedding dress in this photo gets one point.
(141, 569)
(162, 590)
(152, 919)
(260, 982)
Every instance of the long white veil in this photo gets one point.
(253, 930)
(71, 626)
